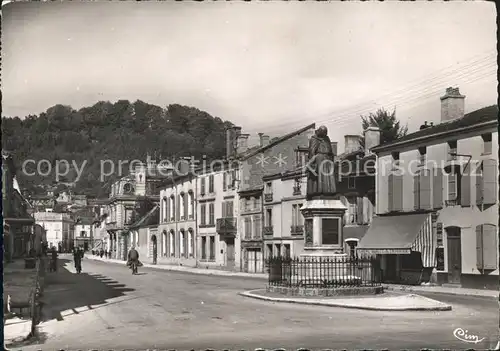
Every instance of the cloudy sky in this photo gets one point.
(267, 66)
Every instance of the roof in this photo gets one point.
(257, 150)
(150, 218)
(483, 115)
(393, 232)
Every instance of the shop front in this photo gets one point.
(404, 247)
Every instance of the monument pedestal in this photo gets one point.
(323, 227)
(324, 240)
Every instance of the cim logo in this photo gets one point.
(463, 335)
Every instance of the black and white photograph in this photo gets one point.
(250, 175)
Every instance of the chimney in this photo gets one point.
(372, 139)
(452, 105)
(231, 141)
(264, 139)
(242, 143)
(334, 147)
(352, 143)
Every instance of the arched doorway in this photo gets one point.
(155, 248)
(454, 251)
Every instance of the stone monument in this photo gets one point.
(323, 211)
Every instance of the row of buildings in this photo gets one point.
(426, 204)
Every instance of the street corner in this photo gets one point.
(380, 302)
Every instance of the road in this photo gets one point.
(106, 307)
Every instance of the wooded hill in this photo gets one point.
(107, 131)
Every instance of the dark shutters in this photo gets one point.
(465, 187)
(490, 179)
(425, 190)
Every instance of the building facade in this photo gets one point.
(437, 200)
(284, 194)
(218, 238)
(177, 224)
(59, 228)
(356, 186)
(17, 219)
(144, 236)
(269, 157)
(131, 197)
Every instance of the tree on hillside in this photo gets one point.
(108, 131)
(389, 125)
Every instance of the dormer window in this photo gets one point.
(487, 144)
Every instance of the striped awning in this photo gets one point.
(400, 235)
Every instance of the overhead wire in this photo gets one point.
(480, 65)
(484, 62)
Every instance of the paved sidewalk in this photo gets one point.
(187, 269)
(20, 284)
(442, 290)
(16, 330)
(408, 302)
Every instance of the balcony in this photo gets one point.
(268, 231)
(226, 226)
(111, 226)
(451, 203)
(268, 197)
(297, 230)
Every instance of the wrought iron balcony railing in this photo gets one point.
(226, 225)
(268, 197)
(297, 229)
(450, 203)
(268, 230)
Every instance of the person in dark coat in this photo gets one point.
(53, 259)
(77, 257)
(133, 256)
(101, 253)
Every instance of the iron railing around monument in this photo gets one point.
(323, 272)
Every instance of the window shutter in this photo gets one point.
(416, 191)
(479, 247)
(425, 190)
(437, 191)
(360, 219)
(179, 204)
(174, 209)
(479, 184)
(224, 209)
(224, 181)
(490, 178)
(490, 247)
(452, 186)
(186, 205)
(203, 214)
(212, 213)
(390, 186)
(398, 193)
(202, 190)
(465, 187)
(230, 210)
(167, 209)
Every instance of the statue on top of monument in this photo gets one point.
(320, 168)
